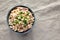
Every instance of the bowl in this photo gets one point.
(24, 32)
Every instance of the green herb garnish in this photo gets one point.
(25, 22)
(16, 21)
(19, 17)
(27, 13)
(21, 13)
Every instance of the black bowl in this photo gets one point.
(15, 8)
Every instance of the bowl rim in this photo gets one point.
(15, 8)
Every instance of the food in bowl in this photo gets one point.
(20, 19)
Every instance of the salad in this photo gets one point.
(21, 19)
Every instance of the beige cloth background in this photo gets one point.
(47, 23)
